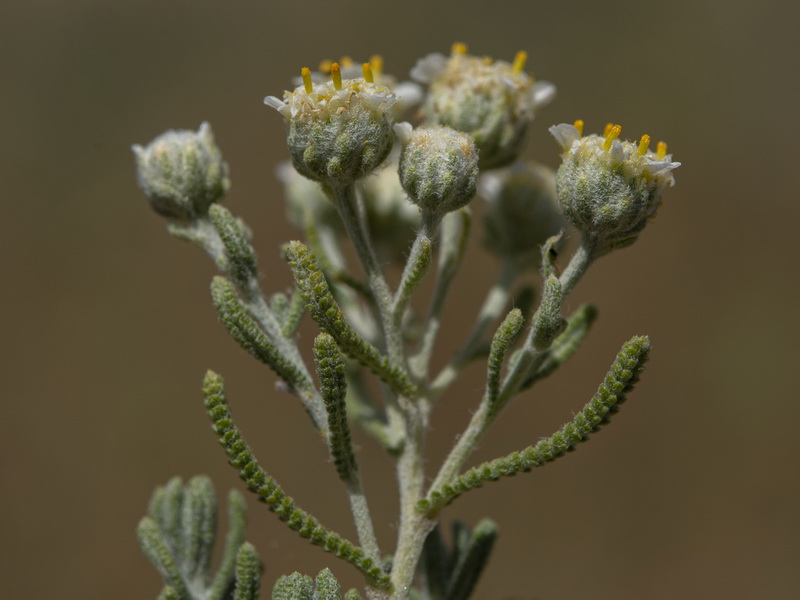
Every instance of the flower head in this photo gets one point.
(608, 188)
(340, 130)
(182, 173)
(493, 101)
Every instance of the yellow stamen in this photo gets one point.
(459, 48)
(367, 70)
(519, 61)
(644, 144)
(607, 129)
(336, 75)
(325, 66)
(376, 62)
(611, 136)
(579, 126)
(305, 72)
(487, 60)
(346, 62)
(661, 150)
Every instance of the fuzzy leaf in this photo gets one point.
(503, 340)
(237, 522)
(471, 560)
(435, 565)
(333, 387)
(270, 492)
(548, 322)
(326, 312)
(412, 276)
(549, 255)
(293, 587)
(155, 549)
(327, 586)
(294, 315)
(240, 260)
(198, 528)
(248, 573)
(621, 378)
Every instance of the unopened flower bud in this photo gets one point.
(610, 188)
(339, 131)
(182, 173)
(521, 210)
(439, 169)
(492, 101)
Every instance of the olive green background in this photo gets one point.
(107, 327)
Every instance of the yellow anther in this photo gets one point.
(579, 126)
(459, 48)
(376, 62)
(325, 66)
(611, 136)
(367, 70)
(305, 72)
(607, 129)
(661, 150)
(487, 60)
(644, 144)
(336, 75)
(346, 62)
(519, 61)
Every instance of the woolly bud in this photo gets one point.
(182, 173)
(439, 169)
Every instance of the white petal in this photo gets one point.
(274, 102)
(543, 93)
(661, 166)
(409, 94)
(617, 152)
(565, 135)
(403, 132)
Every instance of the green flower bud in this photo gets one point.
(438, 168)
(339, 131)
(182, 173)
(492, 101)
(521, 210)
(609, 188)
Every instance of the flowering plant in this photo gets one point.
(394, 167)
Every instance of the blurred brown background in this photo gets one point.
(107, 330)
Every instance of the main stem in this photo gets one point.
(414, 527)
